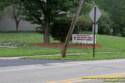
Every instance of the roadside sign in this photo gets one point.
(82, 39)
(92, 13)
(95, 14)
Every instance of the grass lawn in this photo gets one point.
(84, 57)
(28, 39)
(113, 46)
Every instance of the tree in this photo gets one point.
(17, 10)
(85, 22)
(43, 12)
(115, 8)
(3, 4)
(60, 28)
(105, 24)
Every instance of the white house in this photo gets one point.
(7, 23)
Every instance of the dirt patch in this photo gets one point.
(60, 45)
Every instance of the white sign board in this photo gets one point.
(83, 38)
(93, 12)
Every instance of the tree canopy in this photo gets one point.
(43, 12)
(46, 12)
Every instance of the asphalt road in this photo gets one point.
(49, 71)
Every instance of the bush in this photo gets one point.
(60, 28)
(84, 24)
(123, 32)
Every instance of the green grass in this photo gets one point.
(21, 37)
(29, 49)
(115, 45)
(81, 57)
(111, 42)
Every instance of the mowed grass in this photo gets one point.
(29, 39)
(111, 48)
(85, 57)
(111, 42)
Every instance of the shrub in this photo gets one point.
(60, 28)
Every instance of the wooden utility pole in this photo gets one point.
(74, 21)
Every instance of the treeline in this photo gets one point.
(54, 16)
(116, 13)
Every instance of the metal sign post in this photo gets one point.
(95, 14)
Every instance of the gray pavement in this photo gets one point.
(42, 71)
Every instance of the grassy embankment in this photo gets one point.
(112, 48)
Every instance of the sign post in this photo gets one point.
(95, 14)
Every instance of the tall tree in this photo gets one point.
(115, 8)
(43, 12)
(17, 12)
(16, 7)
(3, 4)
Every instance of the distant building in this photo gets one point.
(7, 23)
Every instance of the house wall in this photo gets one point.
(7, 22)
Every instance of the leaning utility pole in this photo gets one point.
(74, 21)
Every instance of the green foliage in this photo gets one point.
(115, 8)
(6, 3)
(105, 24)
(60, 28)
(16, 8)
(3, 4)
(43, 12)
(84, 23)
(15, 4)
(39, 12)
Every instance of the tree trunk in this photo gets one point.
(17, 25)
(46, 34)
(16, 18)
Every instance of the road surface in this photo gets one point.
(50, 71)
